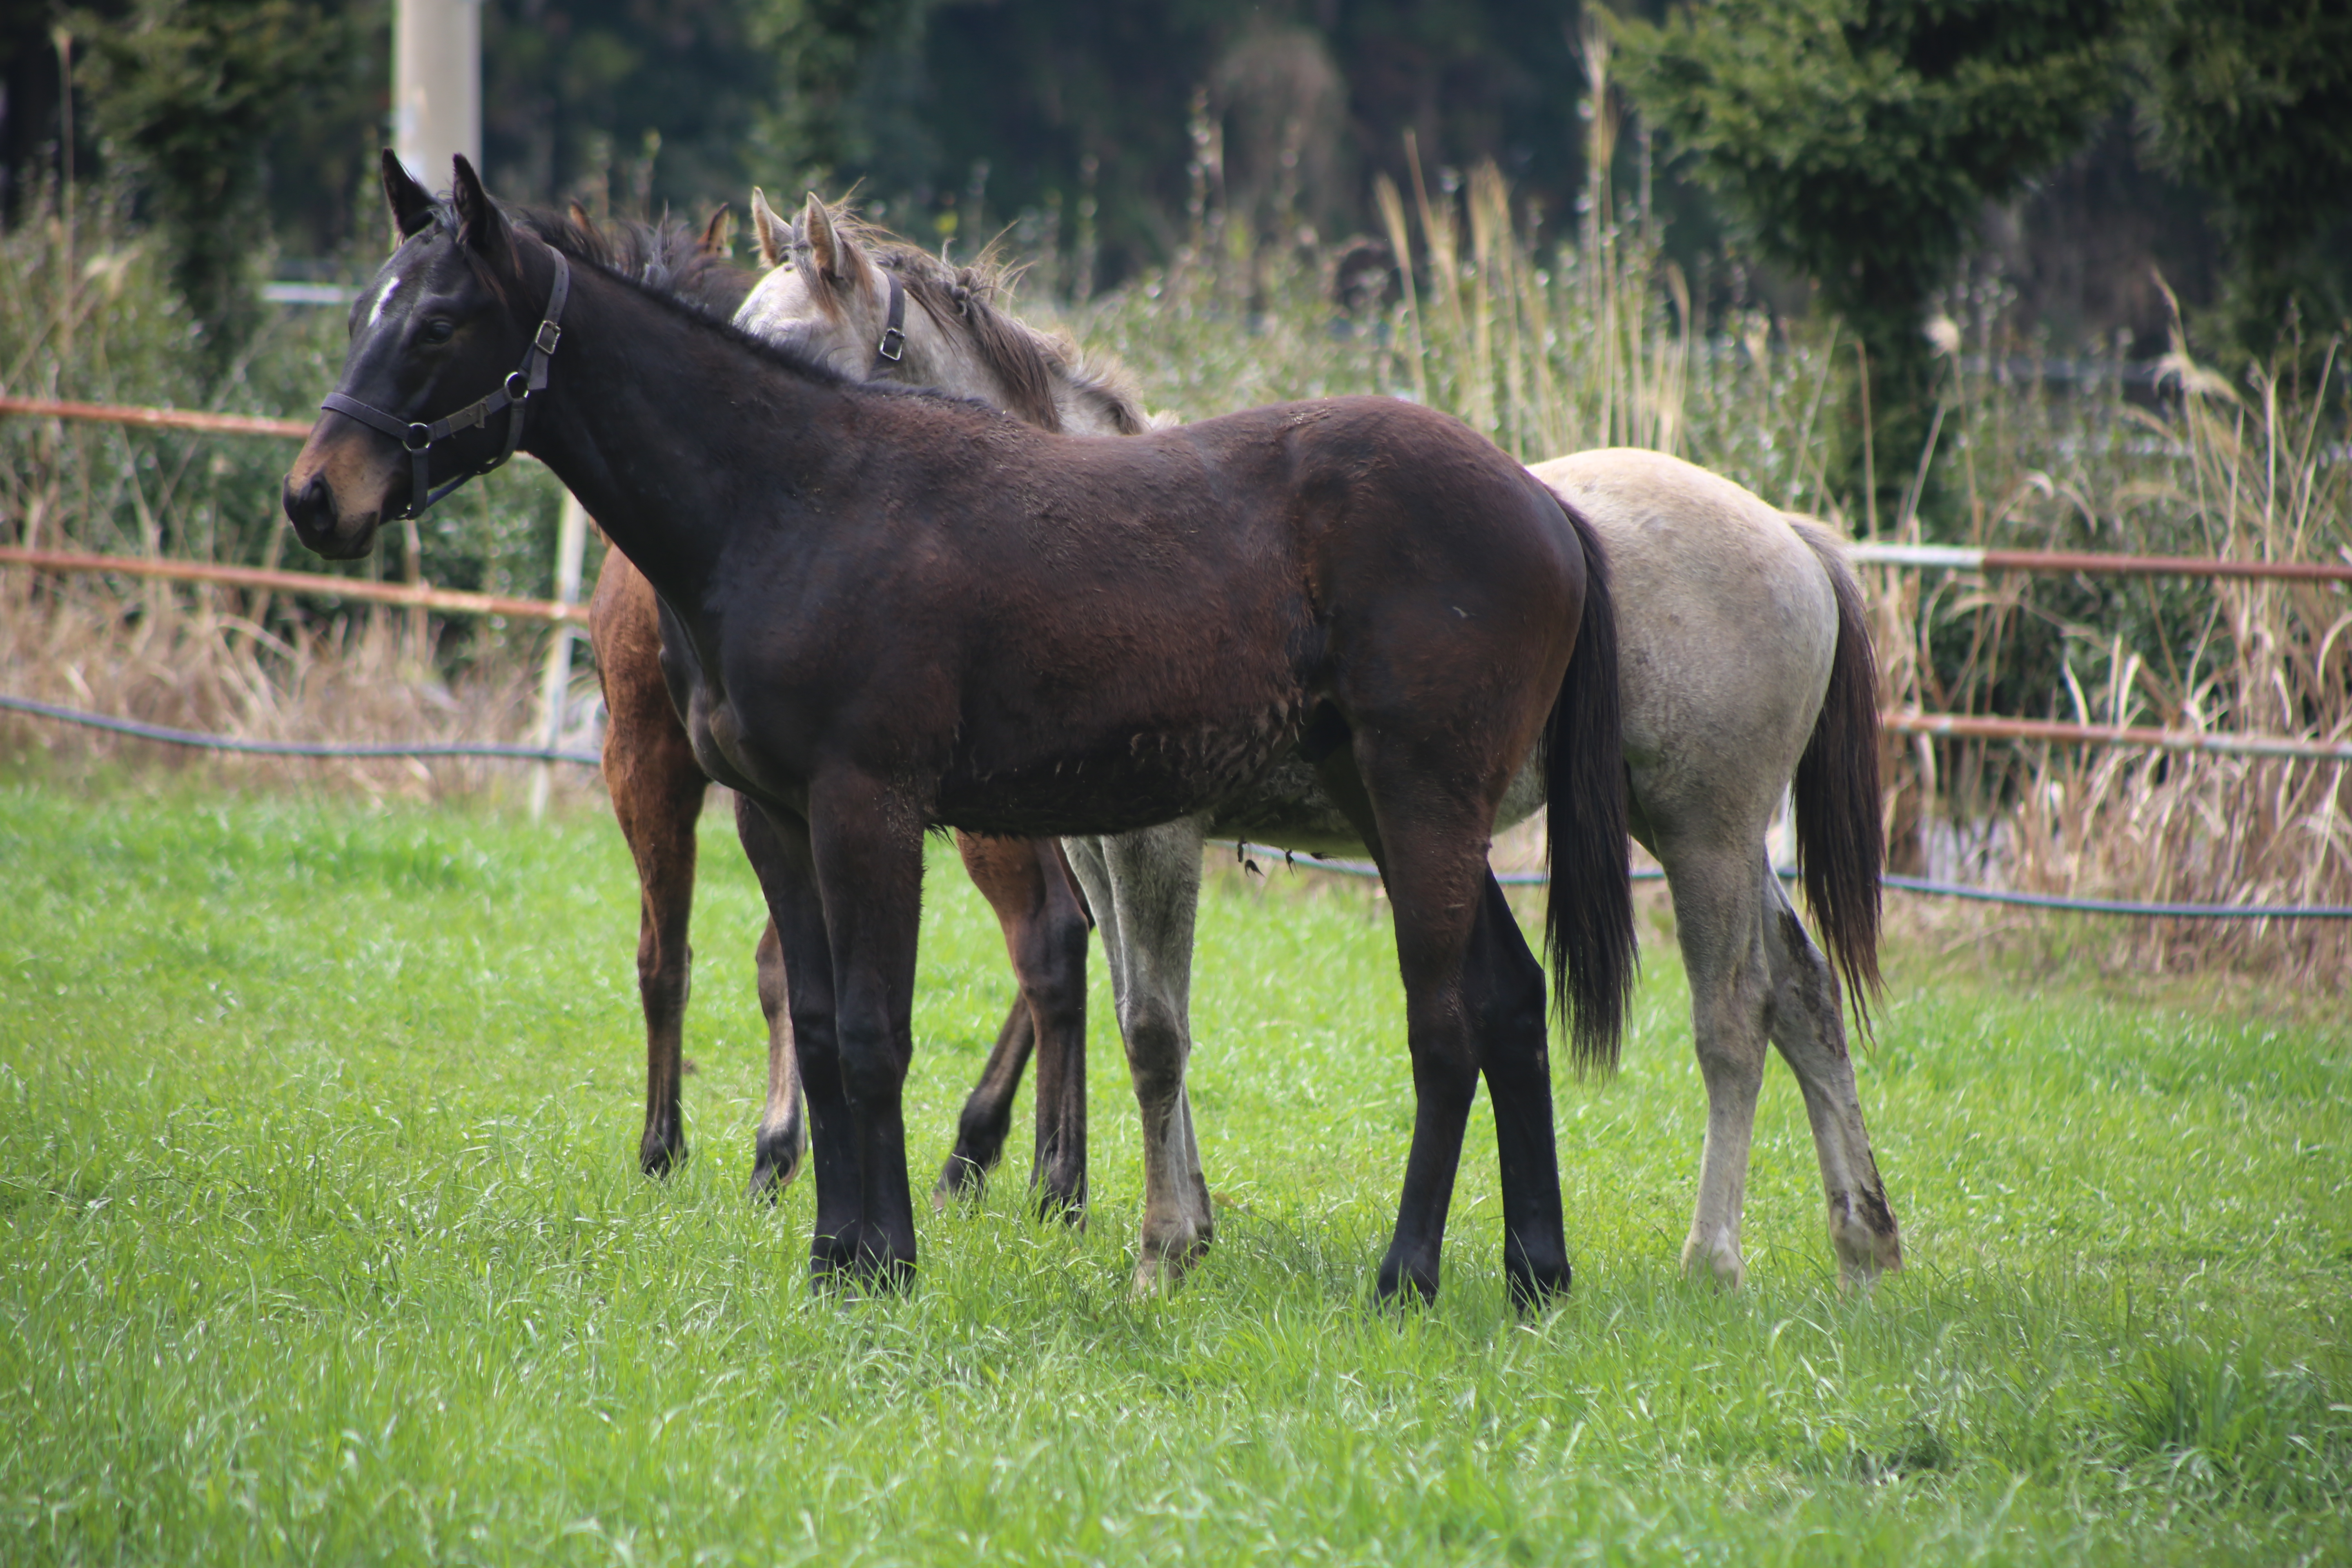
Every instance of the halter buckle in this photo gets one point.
(893, 345)
(547, 337)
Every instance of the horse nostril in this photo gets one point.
(306, 506)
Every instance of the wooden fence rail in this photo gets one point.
(1910, 722)
(449, 601)
(156, 418)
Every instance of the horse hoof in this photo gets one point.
(660, 1159)
(861, 1278)
(1070, 1208)
(961, 1179)
(769, 1179)
(1867, 1243)
(1859, 1271)
(1160, 1269)
(1400, 1287)
(1535, 1289)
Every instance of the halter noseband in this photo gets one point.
(514, 393)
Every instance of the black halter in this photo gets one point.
(894, 336)
(514, 393)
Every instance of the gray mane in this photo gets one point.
(1025, 360)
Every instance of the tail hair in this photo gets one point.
(1841, 834)
(1588, 919)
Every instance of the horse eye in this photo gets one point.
(437, 332)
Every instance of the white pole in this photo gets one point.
(555, 680)
(436, 86)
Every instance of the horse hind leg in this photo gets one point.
(1145, 889)
(1506, 987)
(1718, 924)
(656, 790)
(987, 1115)
(1809, 1027)
(1046, 936)
(782, 1141)
(1433, 869)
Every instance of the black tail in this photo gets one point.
(1589, 923)
(1841, 835)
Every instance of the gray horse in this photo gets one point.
(1746, 669)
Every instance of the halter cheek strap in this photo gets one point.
(513, 395)
(894, 336)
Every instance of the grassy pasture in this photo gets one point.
(323, 1241)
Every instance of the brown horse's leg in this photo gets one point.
(657, 790)
(782, 1139)
(987, 1114)
(1046, 935)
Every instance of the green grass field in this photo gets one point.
(323, 1241)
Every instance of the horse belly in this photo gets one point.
(1119, 781)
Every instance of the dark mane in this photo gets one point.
(665, 257)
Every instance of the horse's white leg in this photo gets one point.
(1809, 1027)
(1151, 881)
(1718, 923)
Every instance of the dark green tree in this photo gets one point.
(187, 94)
(625, 103)
(2251, 100)
(1858, 141)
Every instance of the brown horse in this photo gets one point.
(884, 611)
(658, 792)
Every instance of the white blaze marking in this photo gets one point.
(383, 299)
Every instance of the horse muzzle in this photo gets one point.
(339, 491)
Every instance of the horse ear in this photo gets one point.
(719, 233)
(480, 226)
(411, 204)
(836, 255)
(775, 236)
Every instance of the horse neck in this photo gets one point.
(946, 359)
(637, 398)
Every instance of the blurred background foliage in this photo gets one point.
(1859, 150)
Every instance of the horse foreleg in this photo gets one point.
(1718, 923)
(777, 845)
(1145, 888)
(1809, 1027)
(866, 838)
(1045, 935)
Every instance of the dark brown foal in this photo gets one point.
(658, 792)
